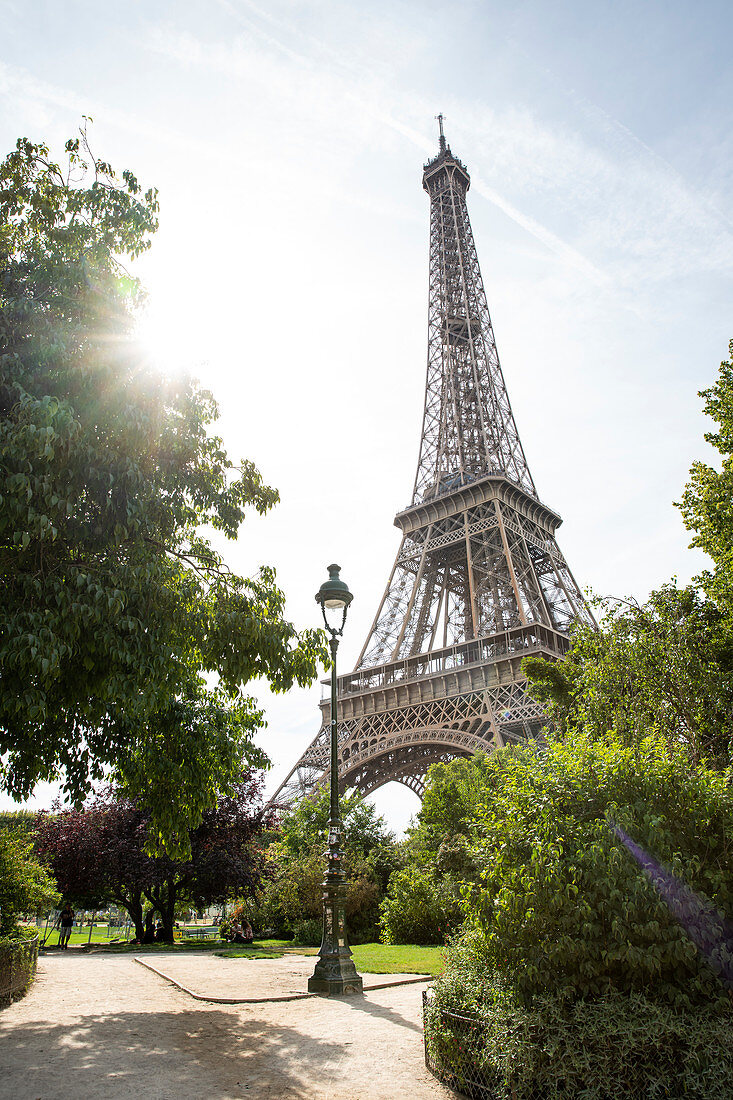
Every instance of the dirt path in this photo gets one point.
(102, 1027)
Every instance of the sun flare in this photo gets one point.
(165, 341)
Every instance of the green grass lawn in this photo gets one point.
(370, 958)
(398, 958)
(99, 935)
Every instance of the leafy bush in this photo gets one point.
(589, 854)
(18, 961)
(423, 903)
(308, 933)
(419, 908)
(240, 913)
(290, 892)
(19, 821)
(616, 1047)
(25, 885)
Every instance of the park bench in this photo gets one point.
(205, 932)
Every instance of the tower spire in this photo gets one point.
(442, 135)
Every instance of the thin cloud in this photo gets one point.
(20, 84)
(590, 191)
(237, 59)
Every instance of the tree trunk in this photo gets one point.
(168, 912)
(165, 902)
(149, 932)
(134, 906)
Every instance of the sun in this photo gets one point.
(165, 339)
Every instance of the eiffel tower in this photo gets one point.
(479, 581)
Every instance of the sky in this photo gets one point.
(289, 273)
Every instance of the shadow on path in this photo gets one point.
(364, 1004)
(163, 1054)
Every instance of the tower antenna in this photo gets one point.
(442, 135)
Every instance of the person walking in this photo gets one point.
(66, 923)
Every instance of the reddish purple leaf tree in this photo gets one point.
(98, 855)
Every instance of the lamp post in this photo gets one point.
(335, 971)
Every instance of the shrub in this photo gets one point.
(25, 885)
(308, 933)
(485, 1041)
(290, 893)
(602, 867)
(419, 908)
(18, 961)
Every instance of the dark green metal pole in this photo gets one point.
(335, 972)
(335, 815)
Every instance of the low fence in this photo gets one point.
(92, 931)
(453, 1051)
(18, 961)
(456, 1053)
(665, 1052)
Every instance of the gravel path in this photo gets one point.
(219, 979)
(102, 1027)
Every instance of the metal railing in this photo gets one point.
(518, 641)
(453, 1051)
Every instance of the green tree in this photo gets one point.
(603, 867)
(449, 802)
(423, 902)
(707, 502)
(194, 750)
(25, 885)
(663, 666)
(296, 865)
(114, 603)
(304, 827)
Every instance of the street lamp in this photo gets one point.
(335, 971)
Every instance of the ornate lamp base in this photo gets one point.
(335, 973)
(336, 976)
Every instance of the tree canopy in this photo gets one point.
(115, 603)
(292, 895)
(99, 854)
(663, 666)
(25, 885)
(304, 827)
(707, 502)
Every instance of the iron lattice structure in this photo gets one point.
(479, 581)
